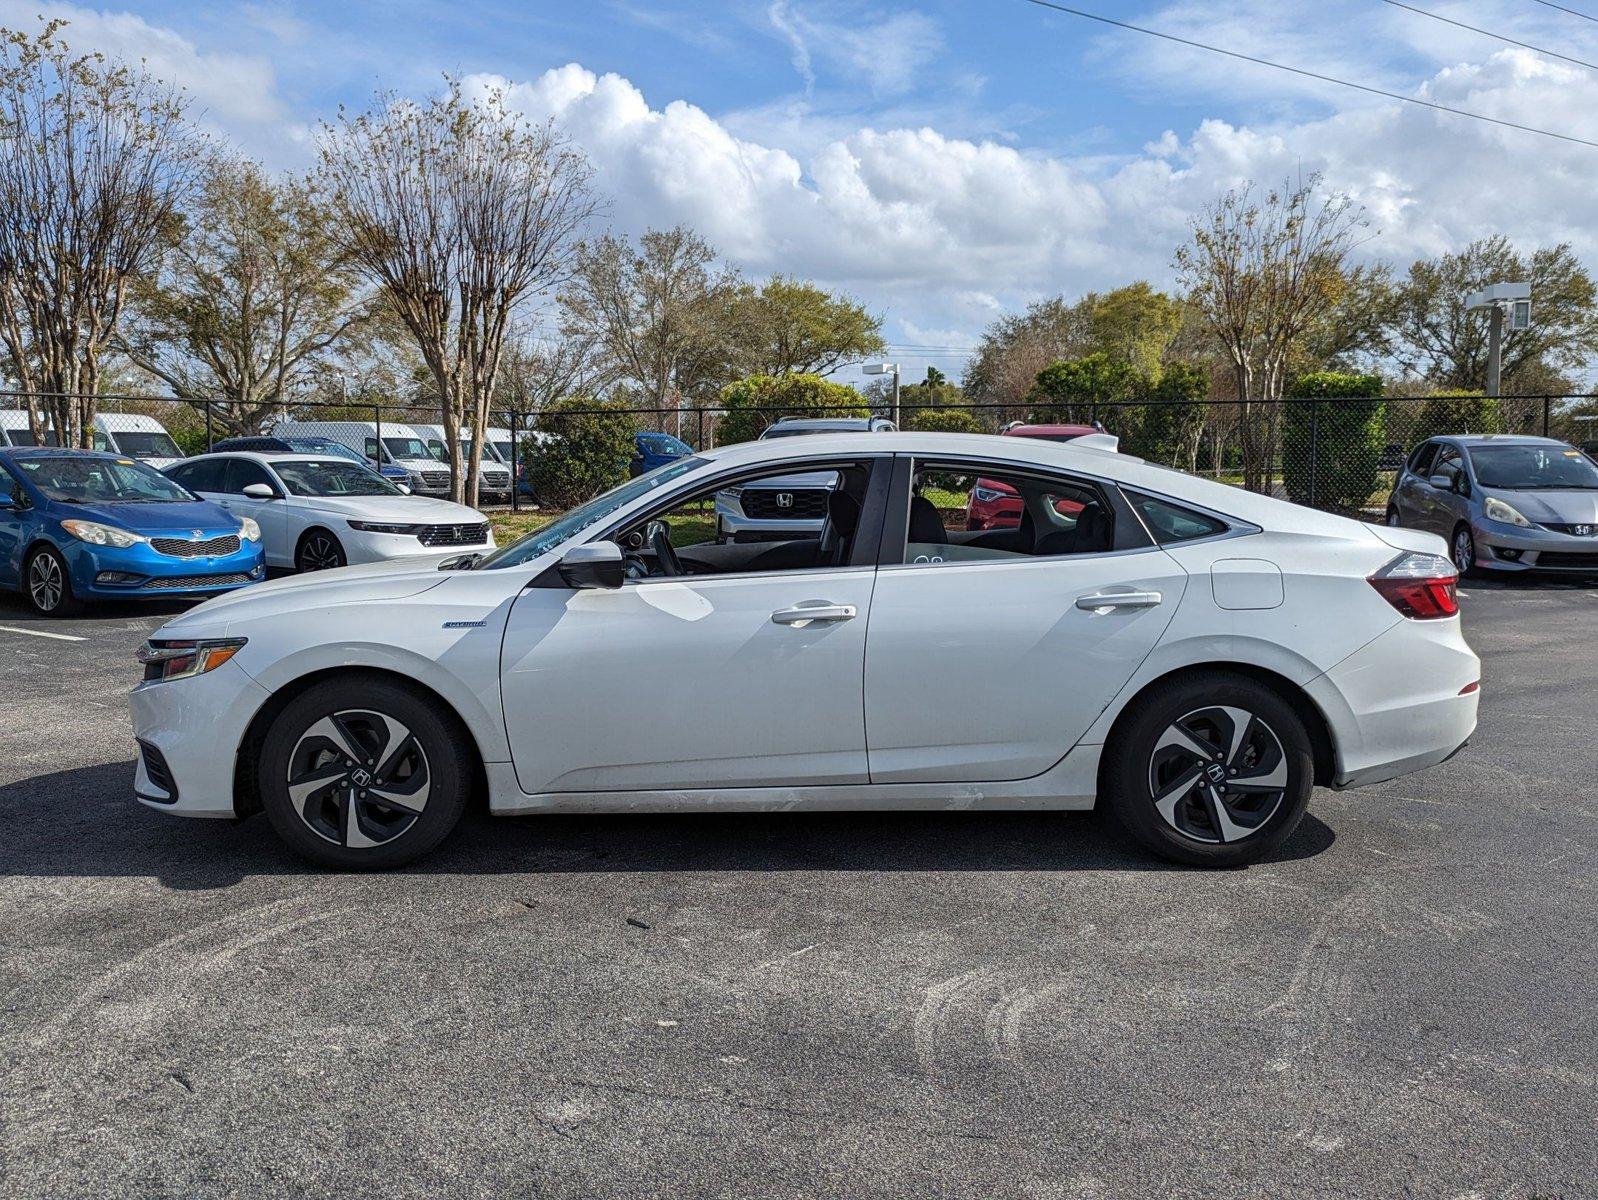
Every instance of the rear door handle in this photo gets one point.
(1103, 601)
(814, 610)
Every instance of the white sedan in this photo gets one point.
(317, 511)
(1193, 656)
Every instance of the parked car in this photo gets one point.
(316, 512)
(993, 505)
(1166, 652)
(266, 444)
(651, 450)
(1505, 503)
(790, 506)
(140, 437)
(494, 484)
(399, 446)
(80, 525)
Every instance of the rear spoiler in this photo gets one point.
(1107, 442)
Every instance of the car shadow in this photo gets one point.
(85, 822)
(15, 610)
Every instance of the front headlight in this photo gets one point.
(102, 535)
(1496, 510)
(181, 659)
(249, 530)
(383, 527)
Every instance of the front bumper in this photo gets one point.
(104, 572)
(1532, 549)
(734, 525)
(361, 546)
(196, 727)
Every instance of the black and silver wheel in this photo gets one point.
(363, 773)
(319, 550)
(1215, 771)
(1464, 547)
(48, 585)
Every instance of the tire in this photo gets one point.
(319, 550)
(1462, 549)
(1210, 822)
(47, 584)
(309, 783)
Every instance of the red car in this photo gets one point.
(995, 505)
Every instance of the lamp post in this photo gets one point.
(883, 369)
(1516, 297)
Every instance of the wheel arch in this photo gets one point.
(246, 790)
(1316, 725)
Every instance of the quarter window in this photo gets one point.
(1171, 523)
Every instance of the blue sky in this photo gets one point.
(945, 160)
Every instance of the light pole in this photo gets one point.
(1495, 298)
(883, 369)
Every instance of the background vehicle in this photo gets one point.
(401, 446)
(991, 504)
(494, 484)
(317, 512)
(16, 430)
(140, 437)
(1504, 503)
(788, 506)
(265, 444)
(653, 450)
(1165, 652)
(81, 525)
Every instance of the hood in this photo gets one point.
(156, 519)
(418, 465)
(394, 579)
(415, 510)
(1578, 506)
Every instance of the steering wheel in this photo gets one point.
(658, 535)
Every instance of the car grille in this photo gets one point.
(184, 583)
(761, 504)
(435, 479)
(1574, 530)
(158, 772)
(453, 535)
(217, 547)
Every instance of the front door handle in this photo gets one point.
(814, 610)
(1104, 601)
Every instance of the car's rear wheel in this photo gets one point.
(1215, 770)
(47, 583)
(319, 550)
(1464, 550)
(364, 774)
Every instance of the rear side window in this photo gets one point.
(1170, 523)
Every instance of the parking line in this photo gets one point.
(60, 637)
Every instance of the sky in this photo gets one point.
(945, 161)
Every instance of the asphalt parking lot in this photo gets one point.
(1401, 1003)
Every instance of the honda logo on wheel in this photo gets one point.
(784, 499)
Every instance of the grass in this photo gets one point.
(687, 529)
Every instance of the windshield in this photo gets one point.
(147, 445)
(99, 480)
(24, 437)
(664, 443)
(333, 477)
(541, 541)
(406, 447)
(1533, 468)
(435, 449)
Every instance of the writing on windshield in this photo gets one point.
(1527, 468)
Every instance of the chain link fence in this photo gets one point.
(1341, 455)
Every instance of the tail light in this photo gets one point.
(1421, 586)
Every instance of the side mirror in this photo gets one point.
(260, 491)
(405, 488)
(595, 565)
(6, 502)
(1442, 483)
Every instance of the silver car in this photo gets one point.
(788, 506)
(1504, 503)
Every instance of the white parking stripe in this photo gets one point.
(60, 637)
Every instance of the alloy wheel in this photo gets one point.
(358, 779)
(1218, 774)
(320, 553)
(46, 584)
(1464, 551)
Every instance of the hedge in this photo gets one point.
(1332, 448)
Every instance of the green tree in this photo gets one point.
(1457, 413)
(754, 403)
(1134, 324)
(1069, 391)
(1332, 440)
(790, 327)
(1170, 421)
(590, 444)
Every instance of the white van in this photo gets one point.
(401, 446)
(143, 438)
(495, 483)
(15, 430)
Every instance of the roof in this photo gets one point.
(274, 456)
(59, 452)
(1501, 439)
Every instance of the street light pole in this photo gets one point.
(1517, 296)
(883, 369)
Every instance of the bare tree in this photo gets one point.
(251, 297)
(1260, 270)
(459, 211)
(541, 368)
(94, 159)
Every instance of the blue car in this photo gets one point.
(80, 525)
(651, 450)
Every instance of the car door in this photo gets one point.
(990, 664)
(271, 515)
(698, 682)
(13, 515)
(1410, 495)
(1446, 504)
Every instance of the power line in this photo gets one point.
(1563, 9)
(1580, 62)
(1265, 62)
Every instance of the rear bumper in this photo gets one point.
(1399, 704)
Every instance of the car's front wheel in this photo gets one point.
(319, 550)
(48, 584)
(1215, 770)
(364, 773)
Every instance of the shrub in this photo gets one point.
(757, 401)
(1165, 427)
(1068, 390)
(1458, 414)
(941, 420)
(590, 444)
(1332, 446)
